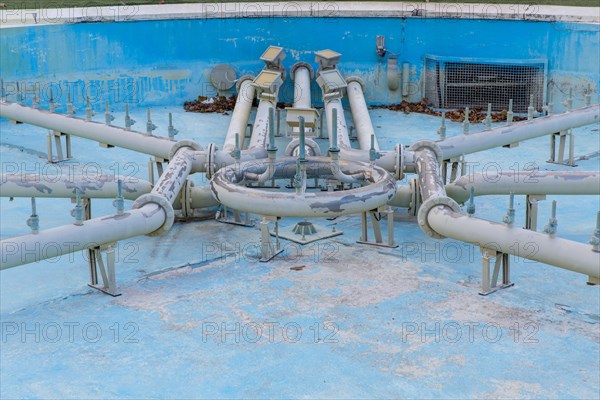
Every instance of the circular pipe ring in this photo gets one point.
(310, 69)
(427, 206)
(162, 203)
(294, 143)
(183, 143)
(238, 83)
(358, 80)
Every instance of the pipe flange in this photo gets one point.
(162, 203)
(238, 83)
(294, 143)
(428, 144)
(399, 168)
(183, 143)
(211, 154)
(356, 79)
(186, 199)
(427, 206)
(310, 69)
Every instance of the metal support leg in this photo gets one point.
(489, 284)
(159, 168)
(531, 210)
(240, 219)
(107, 271)
(376, 217)
(268, 249)
(59, 148)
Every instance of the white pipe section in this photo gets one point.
(173, 178)
(505, 135)
(70, 238)
(529, 183)
(302, 88)
(202, 197)
(524, 243)
(99, 132)
(360, 115)
(403, 196)
(260, 132)
(241, 113)
(96, 187)
(343, 139)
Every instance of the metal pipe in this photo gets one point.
(505, 135)
(302, 87)
(360, 114)
(530, 183)
(260, 132)
(174, 177)
(524, 243)
(105, 186)
(70, 238)
(241, 112)
(99, 132)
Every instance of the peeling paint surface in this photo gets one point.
(364, 300)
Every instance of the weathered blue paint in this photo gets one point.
(155, 62)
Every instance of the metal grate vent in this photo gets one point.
(454, 83)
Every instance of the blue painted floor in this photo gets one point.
(199, 317)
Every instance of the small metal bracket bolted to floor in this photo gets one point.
(489, 284)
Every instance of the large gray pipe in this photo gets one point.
(524, 243)
(360, 114)
(505, 135)
(241, 112)
(70, 238)
(439, 217)
(531, 183)
(99, 132)
(96, 187)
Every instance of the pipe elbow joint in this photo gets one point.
(162, 203)
(425, 209)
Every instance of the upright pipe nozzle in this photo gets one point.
(471, 205)
(334, 145)
(509, 218)
(595, 239)
(119, 202)
(466, 121)
(272, 146)
(552, 226)
(171, 129)
(302, 145)
(77, 212)
(34, 221)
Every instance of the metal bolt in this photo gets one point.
(108, 117)
(552, 226)
(70, 108)
(509, 218)
(77, 212)
(588, 96)
(119, 202)
(510, 114)
(471, 205)
(466, 121)
(171, 128)
(236, 153)
(52, 104)
(569, 101)
(595, 239)
(488, 117)
(149, 125)
(33, 221)
(89, 113)
(128, 120)
(373, 154)
(530, 109)
(442, 129)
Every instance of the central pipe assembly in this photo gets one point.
(358, 180)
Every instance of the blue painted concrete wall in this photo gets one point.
(160, 62)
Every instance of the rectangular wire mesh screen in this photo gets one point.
(452, 84)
